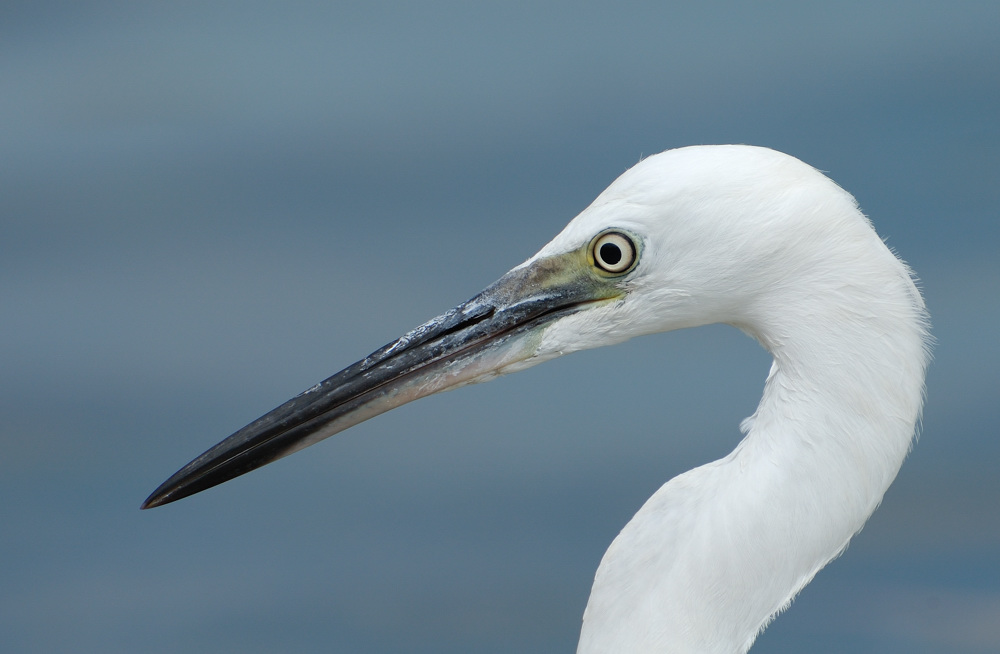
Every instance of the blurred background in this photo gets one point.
(205, 208)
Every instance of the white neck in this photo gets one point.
(710, 559)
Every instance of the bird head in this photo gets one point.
(675, 242)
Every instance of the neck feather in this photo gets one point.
(717, 552)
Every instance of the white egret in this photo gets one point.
(733, 234)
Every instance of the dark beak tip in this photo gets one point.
(157, 498)
(169, 491)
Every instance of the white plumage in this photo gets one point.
(757, 239)
(733, 234)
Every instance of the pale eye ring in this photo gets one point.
(613, 252)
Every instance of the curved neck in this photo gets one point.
(718, 551)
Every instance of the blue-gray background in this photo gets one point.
(206, 208)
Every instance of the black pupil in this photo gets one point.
(611, 254)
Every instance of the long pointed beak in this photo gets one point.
(495, 332)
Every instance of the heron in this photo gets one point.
(732, 234)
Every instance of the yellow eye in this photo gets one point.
(614, 252)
